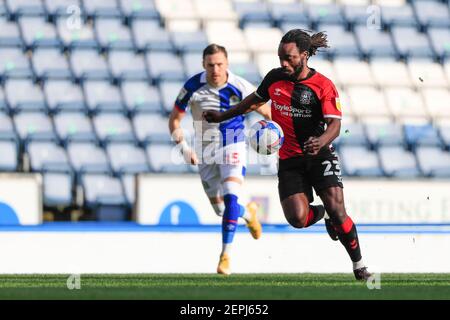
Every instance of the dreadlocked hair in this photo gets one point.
(306, 42)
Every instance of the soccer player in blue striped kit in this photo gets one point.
(221, 147)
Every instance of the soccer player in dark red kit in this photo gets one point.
(306, 105)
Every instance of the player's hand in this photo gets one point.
(312, 146)
(188, 153)
(212, 116)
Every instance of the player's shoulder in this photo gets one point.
(195, 82)
(324, 80)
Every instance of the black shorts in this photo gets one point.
(301, 174)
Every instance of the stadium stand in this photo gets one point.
(86, 86)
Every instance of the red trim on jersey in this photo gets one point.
(179, 108)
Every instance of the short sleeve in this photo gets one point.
(331, 104)
(263, 90)
(182, 101)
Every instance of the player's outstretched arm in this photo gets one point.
(314, 144)
(251, 102)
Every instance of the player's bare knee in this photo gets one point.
(297, 219)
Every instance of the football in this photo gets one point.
(266, 137)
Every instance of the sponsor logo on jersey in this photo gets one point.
(277, 92)
(338, 104)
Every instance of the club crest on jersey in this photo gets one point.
(305, 97)
(234, 100)
(277, 92)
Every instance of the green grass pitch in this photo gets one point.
(238, 286)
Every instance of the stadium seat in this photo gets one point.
(356, 14)
(36, 32)
(58, 8)
(397, 162)
(19, 8)
(325, 13)
(432, 13)
(63, 95)
(74, 126)
(440, 40)
(101, 9)
(58, 188)
(251, 13)
(341, 42)
(176, 10)
(426, 73)
(360, 161)
(140, 97)
(404, 103)
(88, 64)
(227, 34)
(129, 186)
(112, 34)
(14, 64)
(189, 41)
(411, 43)
(47, 156)
(434, 102)
(102, 96)
(389, 72)
(139, 9)
(421, 135)
(3, 103)
(350, 71)
(385, 134)
(374, 42)
(325, 67)
(87, 157)
(9, 34)
(166, 158)
(433, 161)
(266, 62)
(288, 12)
(33, 125)
(271, 36)
(286, 26)
(102, 190)
(193, 63)
(113, 127)
(398, 15)
(24, 95)
(444, 132)
(50, 64)
(149, 35)
(76, 34)
(248, 71)
(126, 158)
(352, 133)
(215, 10)
(367, 101)
(158, 131)
(9, 161)
(126, 65)
(169, 91)
(165, 66)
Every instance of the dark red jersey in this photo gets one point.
(299, 106)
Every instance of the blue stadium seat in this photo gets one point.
(194, 41)
(33, 125)
(397, 162)
(76, 34)
(14, 64)
(112, 34)
(19, 8)
(9, 146)
(192, 62)
(360, 161)
(433, 161)
(63, 95)
(23, 94)
(139, 9)
(247, 70)
(74, 126)
(6, 125)
(286, 26)
(157, 132)
(47, 156)
(432, 13)
(444, 132)
(50, 64)
(126, 65)
(440, 40)
(352, 134)
(101, 9)
(252, 12)
(398, 16)
(58, 188)
(139, 97)
(36, 32)
(411, 43)
(421, 135)
(3, 102)
(385, 134)
(341, 42)
(165, 66)
(149, 35)
(113, 127)
(102, 96)
(326, 13)
(9, 34)
(88, 64)
(87, 157)
(129, 186)
(58, 8)
(356, 14)
(291, 12)
(166, 158)
(169, 91)
(126, 158)
(374, 42)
